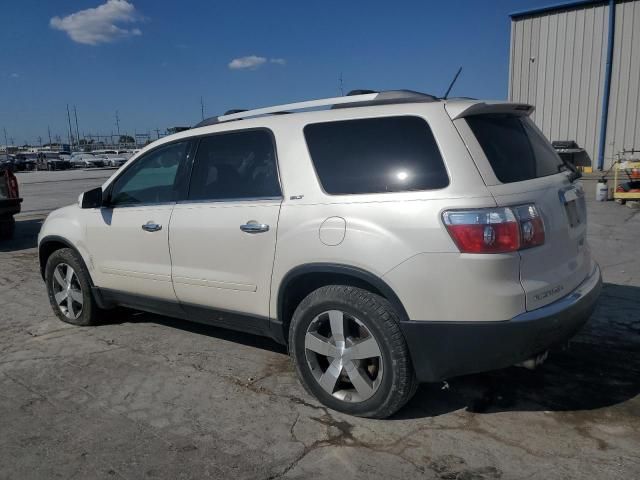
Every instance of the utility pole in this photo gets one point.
(49, 132)
(70, 131)
(6, 144)
(75, 112)
(40, 141)
(202, 107)
(340, 85)
(157, 130)
(118, 127)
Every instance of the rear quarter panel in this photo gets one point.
(398, 237)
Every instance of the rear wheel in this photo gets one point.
(69, 289)
(349, 352)
(7, 228)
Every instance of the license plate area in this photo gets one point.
(574, 205)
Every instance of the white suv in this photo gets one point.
(391, 239)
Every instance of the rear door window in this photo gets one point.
(515, 148)
(376, 155)
(235, 166)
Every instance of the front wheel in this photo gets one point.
(69, 288)
(349, 352)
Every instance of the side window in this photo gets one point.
(235, 166)
(151, 178)
(376, 155)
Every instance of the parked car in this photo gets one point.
(86, 160)
(8, 162)
(112, 158)
(51, 161)
(9, 202)
(392, 239)
(24, 162)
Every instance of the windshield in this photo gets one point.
(515, 148)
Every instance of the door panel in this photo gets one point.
(216, 264)
(128, 258)
(129, 237)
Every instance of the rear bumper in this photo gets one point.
(442, 350)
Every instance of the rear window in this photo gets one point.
(515, 148)
(376, 155)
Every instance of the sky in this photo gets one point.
(153, 60)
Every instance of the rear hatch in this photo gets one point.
(520, 167)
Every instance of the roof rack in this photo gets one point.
(355, 98)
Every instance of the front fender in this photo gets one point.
(65, 227)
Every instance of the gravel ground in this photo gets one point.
(146, 396)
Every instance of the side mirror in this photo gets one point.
(92, 198)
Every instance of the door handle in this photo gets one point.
(254, 227)
(151, 227)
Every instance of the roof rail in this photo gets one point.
(355, 98)
(323, 102)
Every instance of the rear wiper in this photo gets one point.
(575, 173)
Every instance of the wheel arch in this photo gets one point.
(50, 244)
(303, 279)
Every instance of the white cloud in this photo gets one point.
(253, 62)
(98, 25)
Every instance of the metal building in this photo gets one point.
(579, 64)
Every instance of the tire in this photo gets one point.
(7, 228)
(83, 310)
(389, 380)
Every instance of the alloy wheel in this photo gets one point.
(67, 291)
(344, 356)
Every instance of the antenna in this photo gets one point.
(340, 85)
(451, 84)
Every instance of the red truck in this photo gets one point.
(9, 202)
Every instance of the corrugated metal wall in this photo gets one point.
(623, 126)
(558, 63)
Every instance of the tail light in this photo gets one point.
(12, 185)
(495, 230)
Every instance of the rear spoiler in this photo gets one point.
(458, 109)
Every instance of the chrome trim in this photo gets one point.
(133, 205)
(150, 226)
(254, 227)
(231, 200)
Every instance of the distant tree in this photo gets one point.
(126, 139)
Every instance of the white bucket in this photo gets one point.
(601, 192)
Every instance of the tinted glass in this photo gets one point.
(391, 154)
(515, 148)
(151, 178)
(234, 166)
